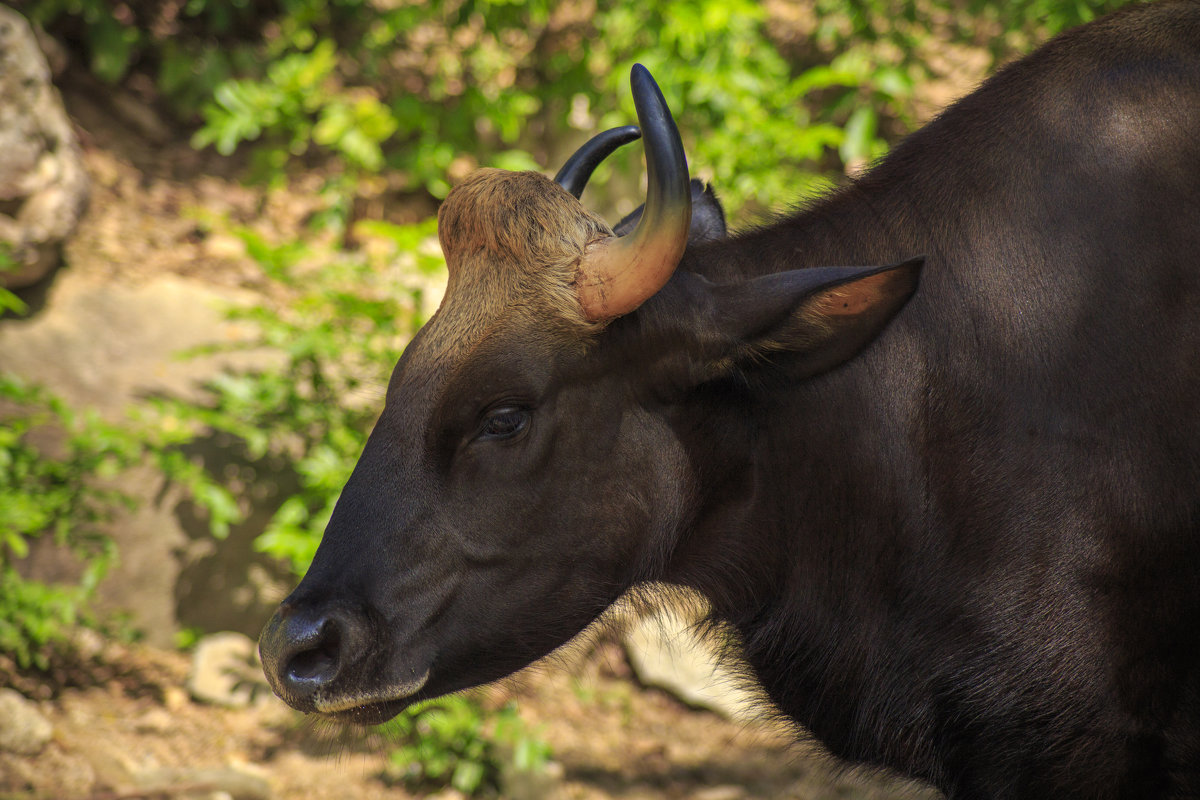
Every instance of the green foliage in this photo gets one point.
(752, 117)
(187, 638)
(347, 319)
(466, 90)
(8, 300)
(297, 106)
(898, 34)
(425, 91)
(452, 740)
(189, 47)
(54, 464)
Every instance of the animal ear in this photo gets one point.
(804, 321)
(811, 320)
(708, 217)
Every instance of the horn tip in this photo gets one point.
(639, 74)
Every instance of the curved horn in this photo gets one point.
(618, 274)
(575, 173)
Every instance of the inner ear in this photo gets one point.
(801, 322)
(814, 319)
(852, 299)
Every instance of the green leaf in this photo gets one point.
(10, 302)
(893, 82)
(468, 776)
(17, 544)
(112, 45)
(857, 147)
(221, 505)
(515, 160)
(24, 513)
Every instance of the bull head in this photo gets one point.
(529, 466)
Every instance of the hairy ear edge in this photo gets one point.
(799, 323)
(831, 322)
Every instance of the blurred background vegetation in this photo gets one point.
(390, 102)
(771, 97)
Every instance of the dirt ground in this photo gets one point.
(129, 730)
(132, 733)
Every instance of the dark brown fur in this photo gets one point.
(956, 535)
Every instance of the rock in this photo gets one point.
(87, 644)
(535, 784)
(108, 759)
(43, 185)
(448, 794)
(23, 729)
(156, 720)
(174, 698)
(55, 772)
(232, 782)
(723, 792)
(225, 671)
(666, 654)
(103, 344)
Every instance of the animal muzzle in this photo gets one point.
(306, 649)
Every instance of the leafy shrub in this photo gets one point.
(426, 89)
(451, 740)
(8, 300)
(189, 47)
(754, 120)
(346, 319)
(55, 486)
(297, 106)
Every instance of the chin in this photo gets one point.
(368, 714)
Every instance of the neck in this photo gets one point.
(861, 224)
(827, 646)
(800, 494)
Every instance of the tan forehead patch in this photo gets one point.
(513, 241)
(519, 221)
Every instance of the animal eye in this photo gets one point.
(504, 423)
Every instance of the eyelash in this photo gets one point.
(502, 423)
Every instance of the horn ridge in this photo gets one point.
(668, 195)
(618, 274)
(578, 169)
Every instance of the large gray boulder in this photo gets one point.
(43, 184)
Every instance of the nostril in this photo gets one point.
(314, 657)
(319, 664)
(315, 665)
(306, 648)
